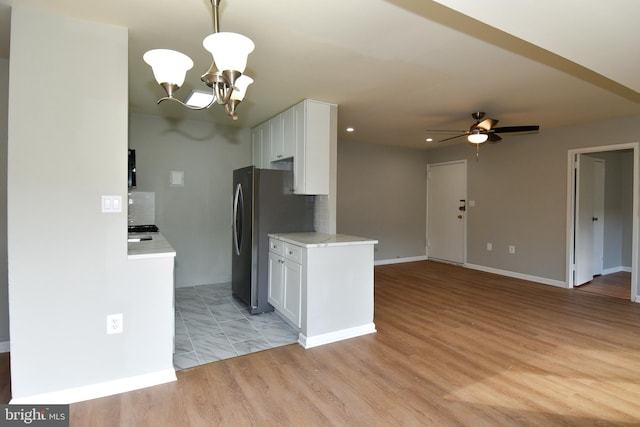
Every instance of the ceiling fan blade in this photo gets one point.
(445, 130)
(508, 129)
(487, 124)
(453, 137)
(493, 138)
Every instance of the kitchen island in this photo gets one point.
(323, 284)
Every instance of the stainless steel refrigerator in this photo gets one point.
(263, 203)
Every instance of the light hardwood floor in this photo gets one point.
(616, 285)
(454, 347)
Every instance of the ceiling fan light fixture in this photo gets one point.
(477, 138)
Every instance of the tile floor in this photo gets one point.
(212, 325)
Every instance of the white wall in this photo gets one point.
(520, 190)
(627, 209)
(68, 267)
(195, 218)
(618, 209)
(519, 186)
(4, 297)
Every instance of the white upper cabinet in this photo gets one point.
(316, 131)
(288, 133)
(282, 136)
(261, 147)
(275, 126)
(266, 146)
(303, 136)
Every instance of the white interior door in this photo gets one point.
(446, 195)
(598, 217)
(589, 203)
(572, 212)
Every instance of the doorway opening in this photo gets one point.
(591, 251)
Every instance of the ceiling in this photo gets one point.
(394, 67)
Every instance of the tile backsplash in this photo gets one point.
(321, 217)
(142, 208)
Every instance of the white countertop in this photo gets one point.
(157, 247)
(319, 240)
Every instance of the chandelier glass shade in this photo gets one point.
(229, 50)
(169, 66)
(225, 76)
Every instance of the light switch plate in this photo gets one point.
(111, 204)
(176, 178)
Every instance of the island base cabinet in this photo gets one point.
(276, 280)
(292, 284)
(285, 280)
(337, 294)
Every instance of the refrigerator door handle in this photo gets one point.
(238, 215)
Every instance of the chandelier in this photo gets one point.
(225, 77)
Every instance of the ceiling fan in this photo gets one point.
(484, 130)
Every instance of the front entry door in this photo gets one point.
(446, 204)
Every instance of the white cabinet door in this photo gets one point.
(288, 133)
(292, 291)
(276, 138)
(285, 279)
(276, 280)
(315, 128)
(265, 134)
(282, 136)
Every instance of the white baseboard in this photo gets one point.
(616, 270)
(343, 334)
(95, 391)
(543, 280)
(399, 260)
(5, 347)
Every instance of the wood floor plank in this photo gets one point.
(616, 285)
(454, 347)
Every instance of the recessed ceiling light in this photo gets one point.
(350, 129)
(429, 139)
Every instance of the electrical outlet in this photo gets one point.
(489, 246)
(512, 249)
(114, 324)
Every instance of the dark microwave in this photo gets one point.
(132, 169)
